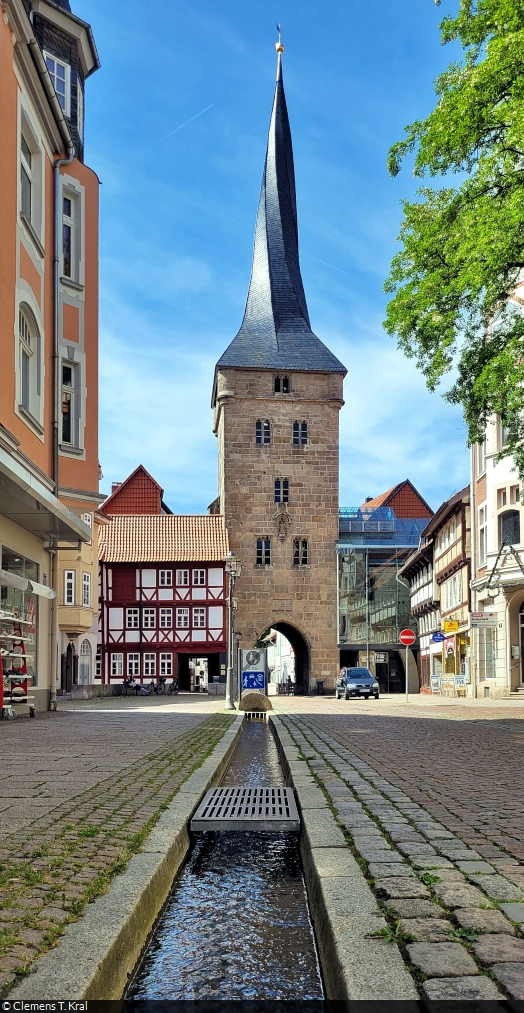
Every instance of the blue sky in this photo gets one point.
(176, 128)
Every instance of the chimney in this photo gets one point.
(115, 486)
(368, 499)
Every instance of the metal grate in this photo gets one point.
(243, 808)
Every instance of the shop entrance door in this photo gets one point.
(69, 670)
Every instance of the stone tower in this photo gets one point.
(276, 398)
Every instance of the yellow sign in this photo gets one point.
(451, 626)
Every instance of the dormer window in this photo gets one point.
(60, 74)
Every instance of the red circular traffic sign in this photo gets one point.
(407, 637)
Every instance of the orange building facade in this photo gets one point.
(49, 340)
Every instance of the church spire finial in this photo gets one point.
(279, 46)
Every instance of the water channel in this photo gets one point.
(237, 923)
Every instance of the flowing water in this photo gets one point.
(237, 923)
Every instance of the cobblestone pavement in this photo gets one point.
(80, 790)
(430, 799)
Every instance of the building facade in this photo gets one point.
(498, 569)
(276, 398)
(373, 601)
(162, 590)
(48, 336)
(439, 574)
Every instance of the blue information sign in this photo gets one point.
(437, 638)
(253, 680)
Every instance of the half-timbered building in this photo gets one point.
(162, 590)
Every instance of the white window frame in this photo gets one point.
(149, 618)
(182, 618)
(481, 458)
(150, 665)
(452, 592)
(69, 222)
(483, 533)
(70, 391)
(166, 664)
(69, 587)
(86, 590)
(199, 614)
(27, 169)
(182, 578)
(133, 665)
(66, 108)
(117, 664)
(132, 618)
(166, 618)
(199, 578)
(29, 346)
(165, 578)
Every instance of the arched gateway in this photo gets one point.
(301, 651)
(276, 398)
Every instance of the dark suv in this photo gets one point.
(356, 682)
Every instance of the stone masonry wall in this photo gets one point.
(303, 596)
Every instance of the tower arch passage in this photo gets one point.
(301, 650)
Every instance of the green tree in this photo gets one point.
(453, 281)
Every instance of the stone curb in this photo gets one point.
(98, 954)
(343, 908)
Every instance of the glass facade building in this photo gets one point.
(373, 603)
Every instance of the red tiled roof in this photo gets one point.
(159, 538)
(137, 494)
(403, 499)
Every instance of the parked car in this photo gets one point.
(356, 682)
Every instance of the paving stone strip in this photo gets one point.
(457, 918)
(48, 873)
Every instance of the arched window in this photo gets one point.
(300, 552)
(85, 663)
(29, 352)
(509, 527)
(277, 385)
(281, 490)
(299, 434)
(262, 432)
(285, 385)
(263, 556)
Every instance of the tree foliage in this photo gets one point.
(453, 282)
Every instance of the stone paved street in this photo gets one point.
(80, 790)
(429, 798)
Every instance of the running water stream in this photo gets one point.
(237, 923)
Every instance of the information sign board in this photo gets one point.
(253, 669)
(451, 626)
(480, 620)
(437, 638)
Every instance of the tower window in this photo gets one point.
(299, 434)
(67, 237)
(262, 432)
(277, 385)
(285, 385)
(300, 556)
(263, 552)
(281, 490)
(300, 552)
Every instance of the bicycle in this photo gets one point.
(173, 687)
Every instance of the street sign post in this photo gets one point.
(437, 637)
(407, 637)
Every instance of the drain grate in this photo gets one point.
(243, 808)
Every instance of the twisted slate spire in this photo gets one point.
(275, 331)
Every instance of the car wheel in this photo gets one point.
(376, 696)
(366, 696)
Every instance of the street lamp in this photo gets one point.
(233, 569)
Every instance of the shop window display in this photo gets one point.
(18, 619)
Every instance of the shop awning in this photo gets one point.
(13, 580)
(28, 501)
(41, 589)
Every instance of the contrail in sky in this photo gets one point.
(324, 262)
(171, 132)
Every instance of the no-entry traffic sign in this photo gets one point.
(407, 637)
